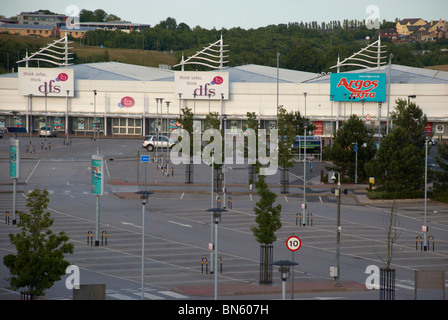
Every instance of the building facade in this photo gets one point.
(129, 100)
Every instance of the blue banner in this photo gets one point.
(358, 87)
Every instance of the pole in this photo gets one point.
(216, 260)
(426, 190)
(304, 178)
(338, 232)
(212, 206)
(143, 251)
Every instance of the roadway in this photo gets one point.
(178, 229)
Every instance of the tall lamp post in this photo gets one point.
(284, 269)
(216, 218)
(144, 198)
(336, 272)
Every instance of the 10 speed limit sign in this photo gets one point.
(293, 243)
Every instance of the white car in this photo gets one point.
(48, 132)
(151, 142)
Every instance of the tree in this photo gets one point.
(39, 260)
(342, 152)
(286, 134)
(440, 190)
(267, 215)
(399, 166)
(186, 120)
(411, 117)
(268, 222)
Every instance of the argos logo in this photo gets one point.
(359, 88)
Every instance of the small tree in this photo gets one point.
(39, 260)
(440, 191)
(342, 152)
(268, 221)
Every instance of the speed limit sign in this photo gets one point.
(293, 243)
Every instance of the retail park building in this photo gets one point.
(127, 99)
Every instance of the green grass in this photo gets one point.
(88, 54)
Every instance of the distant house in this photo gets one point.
(41, 18)
(76, 32)
(28, 30)
(407, 26)
(421, 30)
(389, 34)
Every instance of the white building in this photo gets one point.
(128, 99)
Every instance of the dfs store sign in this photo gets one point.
(213, 85)
(54, 82)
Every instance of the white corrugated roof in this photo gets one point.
(400, 75)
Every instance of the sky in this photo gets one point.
(240, 13)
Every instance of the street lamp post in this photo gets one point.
(338, 230)
(144, 198)
(216, 218)
(284, 269)
(425, 227)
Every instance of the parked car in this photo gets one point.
(48, 132)
(151, 142)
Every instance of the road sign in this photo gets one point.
(144, 158)
(368, 117)
(293, 243)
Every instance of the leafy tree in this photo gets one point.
(440, 191)
(410, 117)
(39, 260)
(212, 121)
(267, 215)
(305, 58)
(342, 152)
(398, 167)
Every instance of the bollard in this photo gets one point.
(416, 242)
(218, 202)
(172, 171)
(431, 237)
(49, 146)
(42, 146)
(206, 265)
(27, 149)
(63, 142)
(34, 149)
(220, 264)
(89, 236)
(309, 219)
(7, 217)
(70, 141)
(104, 235)
(229, 202)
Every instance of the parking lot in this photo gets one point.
(178, 227)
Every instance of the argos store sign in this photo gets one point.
(213, 85)
(358, 86)
(51, 81)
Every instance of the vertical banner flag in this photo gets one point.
(97, 175)
(358, 87)
(14, 158)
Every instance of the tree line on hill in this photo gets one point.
(310, 47)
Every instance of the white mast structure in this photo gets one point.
(366, 58)
(216, 53)
(60, 54)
